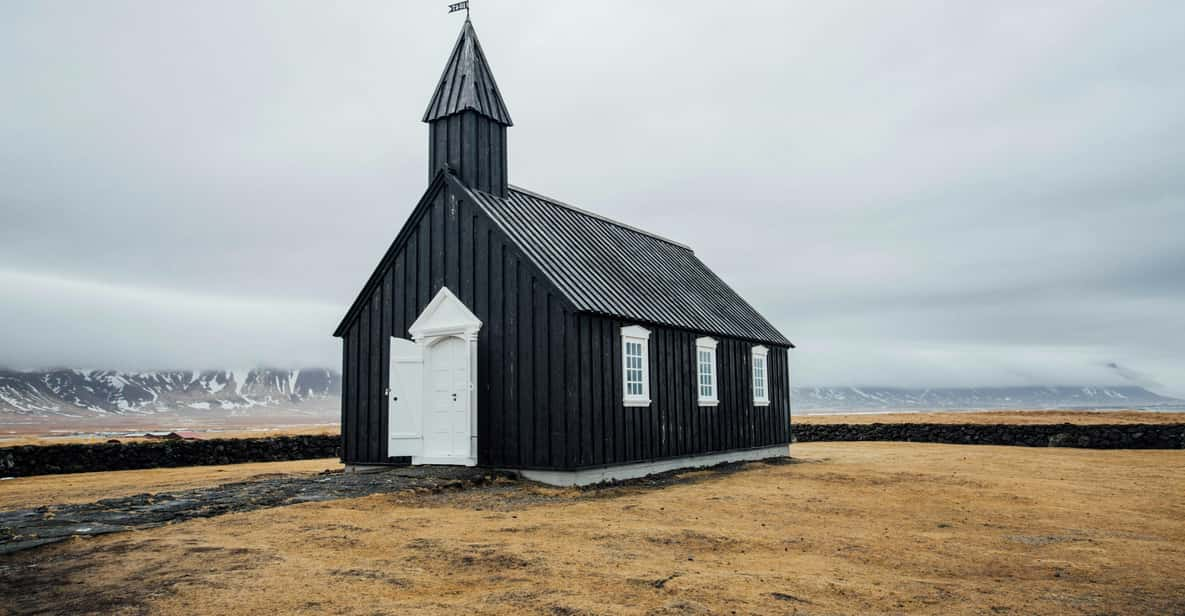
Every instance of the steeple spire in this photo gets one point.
(467, 119)
(468, 83)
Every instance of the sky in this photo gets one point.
(915, 193)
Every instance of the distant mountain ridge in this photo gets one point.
(89, 393)
(98, 393)
(807, 399)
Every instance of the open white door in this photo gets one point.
(406, 399)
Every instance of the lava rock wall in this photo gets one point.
(1103, 436)
(26, 460)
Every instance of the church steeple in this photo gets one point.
(467, 119)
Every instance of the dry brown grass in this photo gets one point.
(853, 528)
(1001, 417)
(26, 492)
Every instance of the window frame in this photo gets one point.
(707, 345)
(640, 335)
(759, 353)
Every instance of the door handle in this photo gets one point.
(454, 396)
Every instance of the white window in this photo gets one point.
(705, 360)
(760, 376)
(635, 365)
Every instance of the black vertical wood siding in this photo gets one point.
(474, 146)
(549, 378)
(600, 430)
(449, 242)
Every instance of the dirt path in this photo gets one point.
(24, 529)
(855, 528)
(40, 490)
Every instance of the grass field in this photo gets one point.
(848, 528)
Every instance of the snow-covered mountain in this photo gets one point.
(99, 393)
(807, 399)
(90, 393)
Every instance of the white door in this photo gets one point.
(446, 420)
(405, 393)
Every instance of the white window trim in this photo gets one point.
(762, 353)
(709, 345)
(636, 333)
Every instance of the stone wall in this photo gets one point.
(28, 460)
(1103, 436)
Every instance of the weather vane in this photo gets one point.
(457, 6)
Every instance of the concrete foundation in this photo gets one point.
(586, 477)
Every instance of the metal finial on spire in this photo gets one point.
(457, 6)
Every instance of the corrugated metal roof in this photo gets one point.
(607, 267)
(467, 83)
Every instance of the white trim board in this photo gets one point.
(633, 471)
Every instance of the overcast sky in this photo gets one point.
(916, 193)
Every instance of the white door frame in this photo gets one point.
(447, 317)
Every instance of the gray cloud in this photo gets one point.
(1133, 376)
(919, 193)
(54, 321)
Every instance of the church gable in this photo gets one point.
(408, 233)
(447, 241)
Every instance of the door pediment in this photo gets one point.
(445, 315)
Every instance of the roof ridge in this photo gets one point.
(569, 206)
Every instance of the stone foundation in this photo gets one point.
(584, 477)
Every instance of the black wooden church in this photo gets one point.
(507, 329)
